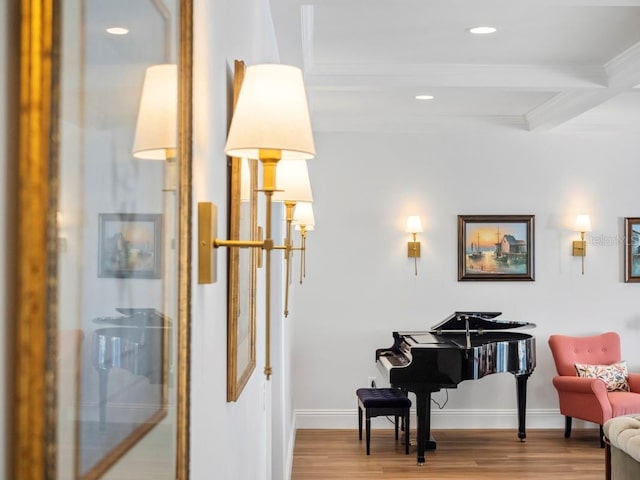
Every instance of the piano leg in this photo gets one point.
(423, 434)
(103, 385)
(521, 382)
(423, 410)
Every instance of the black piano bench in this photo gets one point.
(376, 402)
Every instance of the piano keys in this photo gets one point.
(464, 346)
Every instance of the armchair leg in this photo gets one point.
(601, 437)
(567, 427)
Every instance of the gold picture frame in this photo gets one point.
(241, 321)
(50, 352)
(632, 249)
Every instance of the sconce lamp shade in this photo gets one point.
(583, 223)
(303, 215)
(271, 114)
(292, 181)
(157, 127)
(414, 225)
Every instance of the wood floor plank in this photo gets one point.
(460, 454)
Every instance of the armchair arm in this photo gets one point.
(634, 382)
(584, 398)
(580, 385)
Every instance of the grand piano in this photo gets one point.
(464, 346)
(135, 341)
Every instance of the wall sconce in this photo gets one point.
(583, 224)
(292, 177)
(304, 222)
(414, 226)
(270, 123)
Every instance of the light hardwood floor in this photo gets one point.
(460, 454)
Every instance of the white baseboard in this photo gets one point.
(440, 419)
(292, 444)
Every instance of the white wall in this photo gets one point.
(361, 287)
(228, 440)
(9, 57)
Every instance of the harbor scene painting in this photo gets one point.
(632, 249)
(495, 247)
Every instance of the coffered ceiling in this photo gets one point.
(551, 66)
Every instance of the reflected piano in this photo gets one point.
(135, 342)
(464, 346)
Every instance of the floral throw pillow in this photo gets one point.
(615, 376)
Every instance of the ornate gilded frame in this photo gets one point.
(36, 406)
(241, 322)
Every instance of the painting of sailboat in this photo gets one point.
(474, 252)
(495, 247)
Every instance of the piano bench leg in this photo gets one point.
(368, 433)
(406, 431)
(395, 422)
(359, 422)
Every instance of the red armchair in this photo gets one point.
(588, 398)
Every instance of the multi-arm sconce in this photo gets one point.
(583, 224)
(270, 123)
(414, 226)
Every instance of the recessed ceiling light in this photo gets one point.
(117, 30)
(424, 97)
(482, 30)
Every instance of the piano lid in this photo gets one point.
(477, 321)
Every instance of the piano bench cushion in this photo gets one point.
(383, 398)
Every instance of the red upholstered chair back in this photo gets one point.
(600, 349)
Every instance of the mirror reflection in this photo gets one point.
(118, 230)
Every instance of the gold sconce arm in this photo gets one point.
(413, 251)
(303, 248)
(414, 226)
(583, 225)
(580, 249)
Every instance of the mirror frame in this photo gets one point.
(241, 304)
(35, 402)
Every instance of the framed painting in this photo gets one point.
(130, 245)
(496, 247)
(243, 221)
(632, 249)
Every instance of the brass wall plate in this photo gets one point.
(207, 232)
(413, 249)
(579, 248)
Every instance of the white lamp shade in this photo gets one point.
(292, 182)
(414, 225)
(157, 127)
(583, 223)
(271, 113)
(303, 215)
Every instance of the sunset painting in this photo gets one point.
(495, 247)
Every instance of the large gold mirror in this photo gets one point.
(103, 320)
